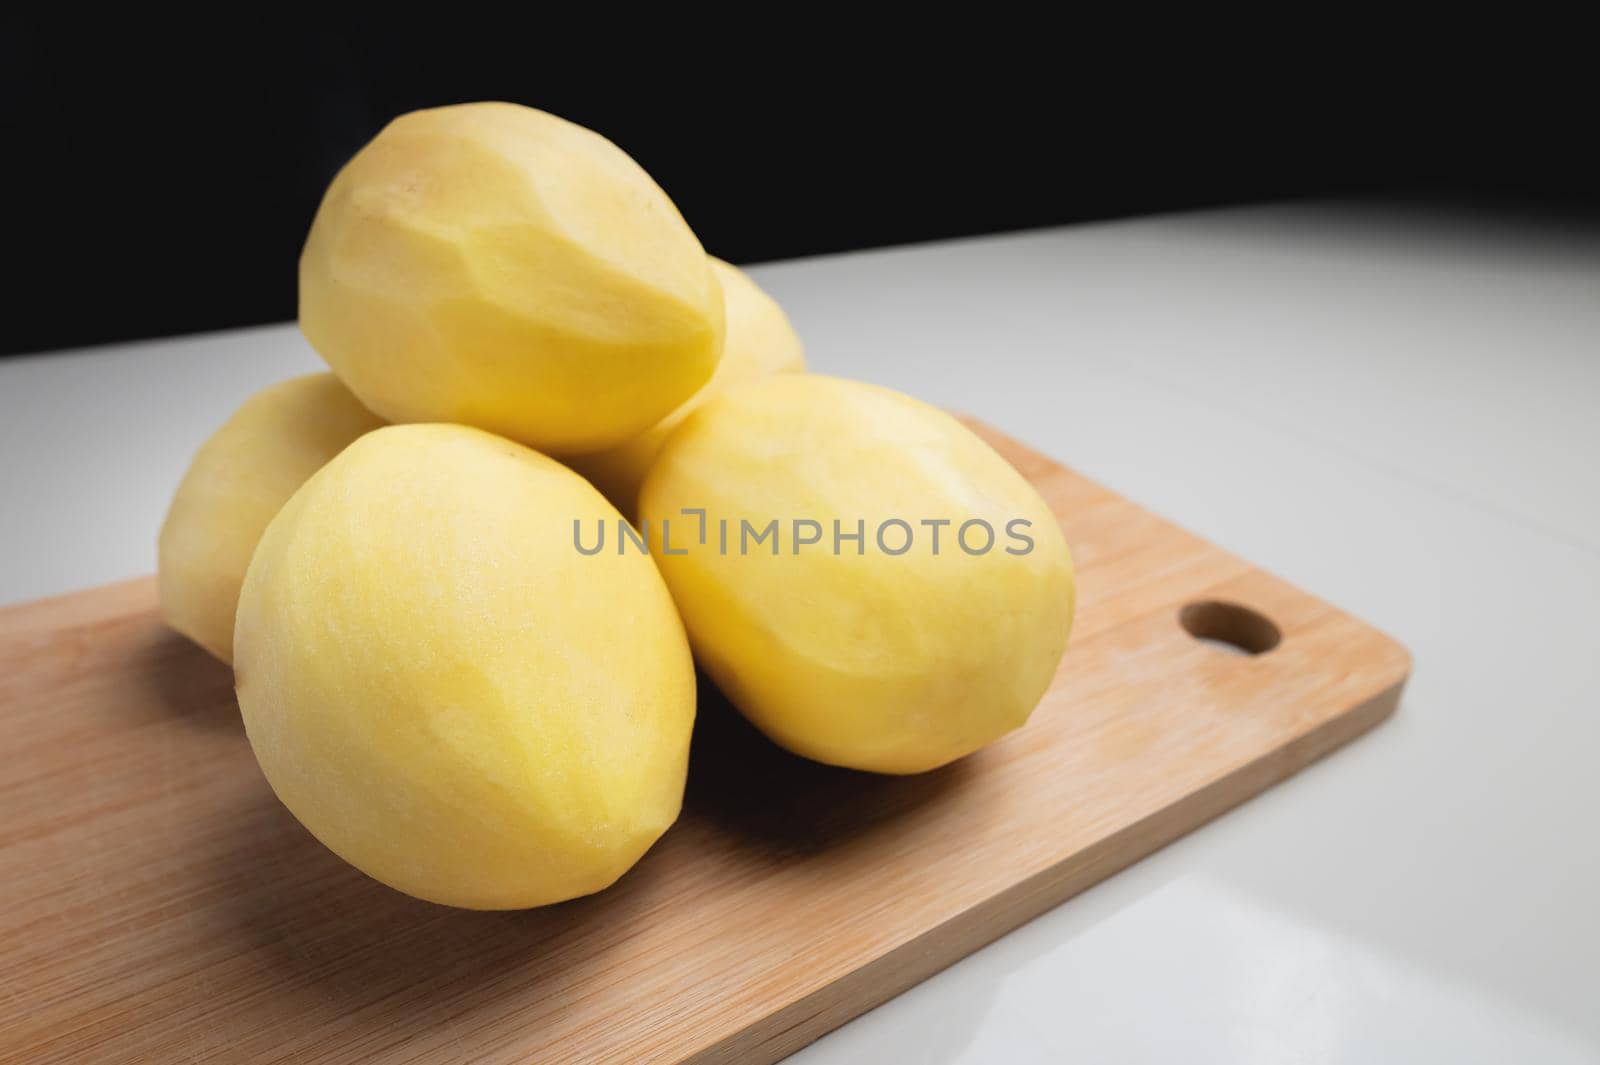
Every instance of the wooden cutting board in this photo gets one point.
(158, 904)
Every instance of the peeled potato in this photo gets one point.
(497, 266)
(760, 342)
(449, 695)
(896, 659)
(238, 480)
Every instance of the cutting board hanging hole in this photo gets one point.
(1230, 627)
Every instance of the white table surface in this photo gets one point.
(1399, 413)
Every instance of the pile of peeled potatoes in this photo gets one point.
(563, 457)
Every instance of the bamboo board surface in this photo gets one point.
(158, 904)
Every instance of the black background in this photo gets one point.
(160, 179)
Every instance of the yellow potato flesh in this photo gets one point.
(891, 663)
(448, 694)
(760, 342)
(496, 266)
(237, 482)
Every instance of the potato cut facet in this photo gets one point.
(875, 587)
(238, 480)
(445, 691)
(492, 265)
(760, 342)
